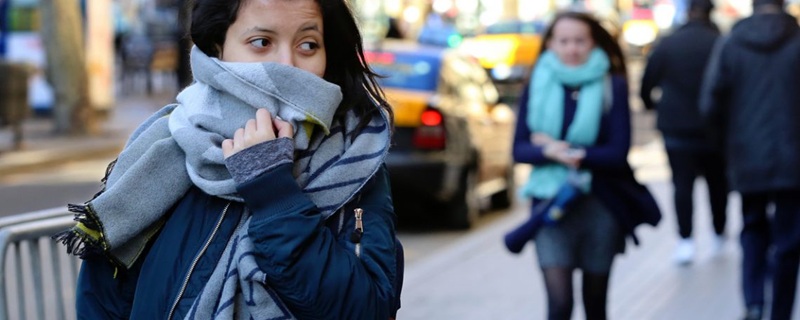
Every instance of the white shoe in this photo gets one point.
(717, 245)
(684, 252)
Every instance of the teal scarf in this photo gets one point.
(546, 113)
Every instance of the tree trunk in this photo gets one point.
(63, 38)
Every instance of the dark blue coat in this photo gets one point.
(612, 178)
(676, 66)
(310, 262)
(751, 97)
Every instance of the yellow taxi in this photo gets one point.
(508, 51)
(451, 150)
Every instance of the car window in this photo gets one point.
(406, 70)
(518, 27)
(464, 77)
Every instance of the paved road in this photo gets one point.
(51, 187)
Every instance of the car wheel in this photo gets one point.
(464, 207)
(505, 198)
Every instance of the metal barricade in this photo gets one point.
(34, 216)
(42, 283)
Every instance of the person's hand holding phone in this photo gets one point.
(562, 152)
(558, 150)
(574, 156)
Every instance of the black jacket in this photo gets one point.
(751, 95)
(676, 66)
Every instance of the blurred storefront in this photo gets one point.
(20, 27)
(794, 8)
(470, 17)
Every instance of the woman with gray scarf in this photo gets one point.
(261, 193)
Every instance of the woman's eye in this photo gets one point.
(308, 46)
(260, 43)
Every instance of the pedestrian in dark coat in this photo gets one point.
(751, 96)
(676, 67)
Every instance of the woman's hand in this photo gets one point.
(558, 150)
(562, 152)
(541, 139)
(574, 156)
(261, 129)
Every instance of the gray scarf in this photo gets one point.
(237, 289)
(179, 146)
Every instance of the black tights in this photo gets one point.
(558, 282)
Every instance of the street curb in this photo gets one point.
(20, 161)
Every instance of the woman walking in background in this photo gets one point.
(574, 119)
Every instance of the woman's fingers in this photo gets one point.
(553, 149)
(571, 162)
(250, 133)
(227, 148)
(284, 128)
(264, 121)
(260, 129)
(238, 139)
(571, 157)
(234, 145)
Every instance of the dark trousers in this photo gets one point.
(777, 229)
(687, 165)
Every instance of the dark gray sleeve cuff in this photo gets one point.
(250, 163)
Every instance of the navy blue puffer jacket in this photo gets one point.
(310, 262)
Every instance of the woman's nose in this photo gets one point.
(285, 57)
(572, 48)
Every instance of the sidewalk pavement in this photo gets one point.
(40, 147)
(476, 278)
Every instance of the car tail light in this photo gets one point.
(430, 135)
(431, 118)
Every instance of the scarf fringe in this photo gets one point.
(85, 215)
(80, 243)
(77, 244)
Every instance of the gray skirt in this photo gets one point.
(587, 237)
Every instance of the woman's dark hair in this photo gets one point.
(600, 35)
(346, 65)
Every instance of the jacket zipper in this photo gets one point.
(196, 259)
(358, 232)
